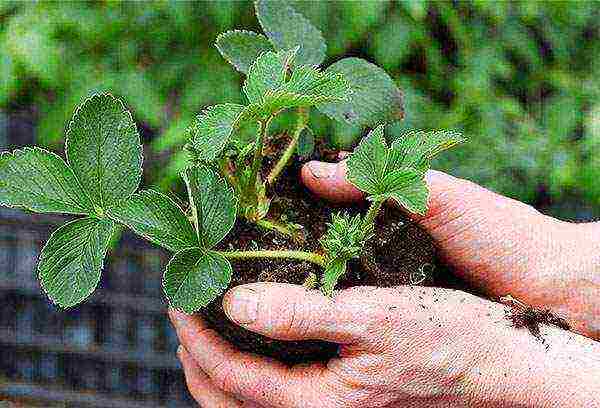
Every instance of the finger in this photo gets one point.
(203, 391)
(291, 312)
(328, 180)
(247, 376)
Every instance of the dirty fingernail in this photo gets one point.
(241, 305)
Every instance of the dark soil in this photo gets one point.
(401, 254)
(525, 316)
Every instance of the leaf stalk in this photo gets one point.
(298, 255)
(302, 121)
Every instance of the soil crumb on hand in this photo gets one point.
(522, 315)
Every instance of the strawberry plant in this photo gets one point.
(225, 179)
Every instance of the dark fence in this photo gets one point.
(115, 350)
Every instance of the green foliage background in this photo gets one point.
(521, 80)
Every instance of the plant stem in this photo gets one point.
(299, 255)
(301, 123)
(373, 212)
(258, 153)
(275, 226)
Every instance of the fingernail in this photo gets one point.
(177, 318)
(179, 351)
(241, 305)
(322, 170)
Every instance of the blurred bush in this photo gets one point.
(521, 79)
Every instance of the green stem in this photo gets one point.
(301, 123)
(258, 153)
(373, 212)
(298, 255)
(275, 226)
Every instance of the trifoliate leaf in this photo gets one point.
(213, 128)
(38, 180)
(306, 143)
(195, 277)
(214, 203)
(334, 270)
(267, 73)
(417, 148)
(397, 172)
(241, 48)
(375, 99)
(287, 29)
(367, 164)
(157, 218)
(103, 149)
(71, 262)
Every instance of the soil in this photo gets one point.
(401, 254)
(522, 315)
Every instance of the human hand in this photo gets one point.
(399, 347)
(500, 245)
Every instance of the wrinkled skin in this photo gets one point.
(422, 347)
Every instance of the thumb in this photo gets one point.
(491, 240)
(290, 312)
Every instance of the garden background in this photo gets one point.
(520, 79)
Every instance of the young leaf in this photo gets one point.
(195, 277)
(334, 270)
(71, 262)
(287, 29)
(214, 202)
(417, 148)
(375, 99)
(367, 164)
(267, 73)
(213, 128)
(345, 236)
(241, 48)
(103, 149)
(157, 218)
(38, 180)
(398, 172)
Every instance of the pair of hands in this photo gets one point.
(422, 347)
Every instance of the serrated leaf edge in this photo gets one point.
(5, 154)
(124, 109)
(39, 262)
(301, 17)
(163, 282)
(229, 33)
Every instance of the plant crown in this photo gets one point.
(100, 178)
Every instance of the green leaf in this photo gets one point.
(157, 218)
(308, 86)
(287, 29)
(367, 164)
(413, 197)
(71, 262)
(417, 148)
(213, 129)
(375, 99)
(195, 277)
(103, 149)
(398, 172)
(38, 180)
(306, 143)
(267, 73)
(346, 236)
(334, 270)
(241, 48)
(214, 203)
